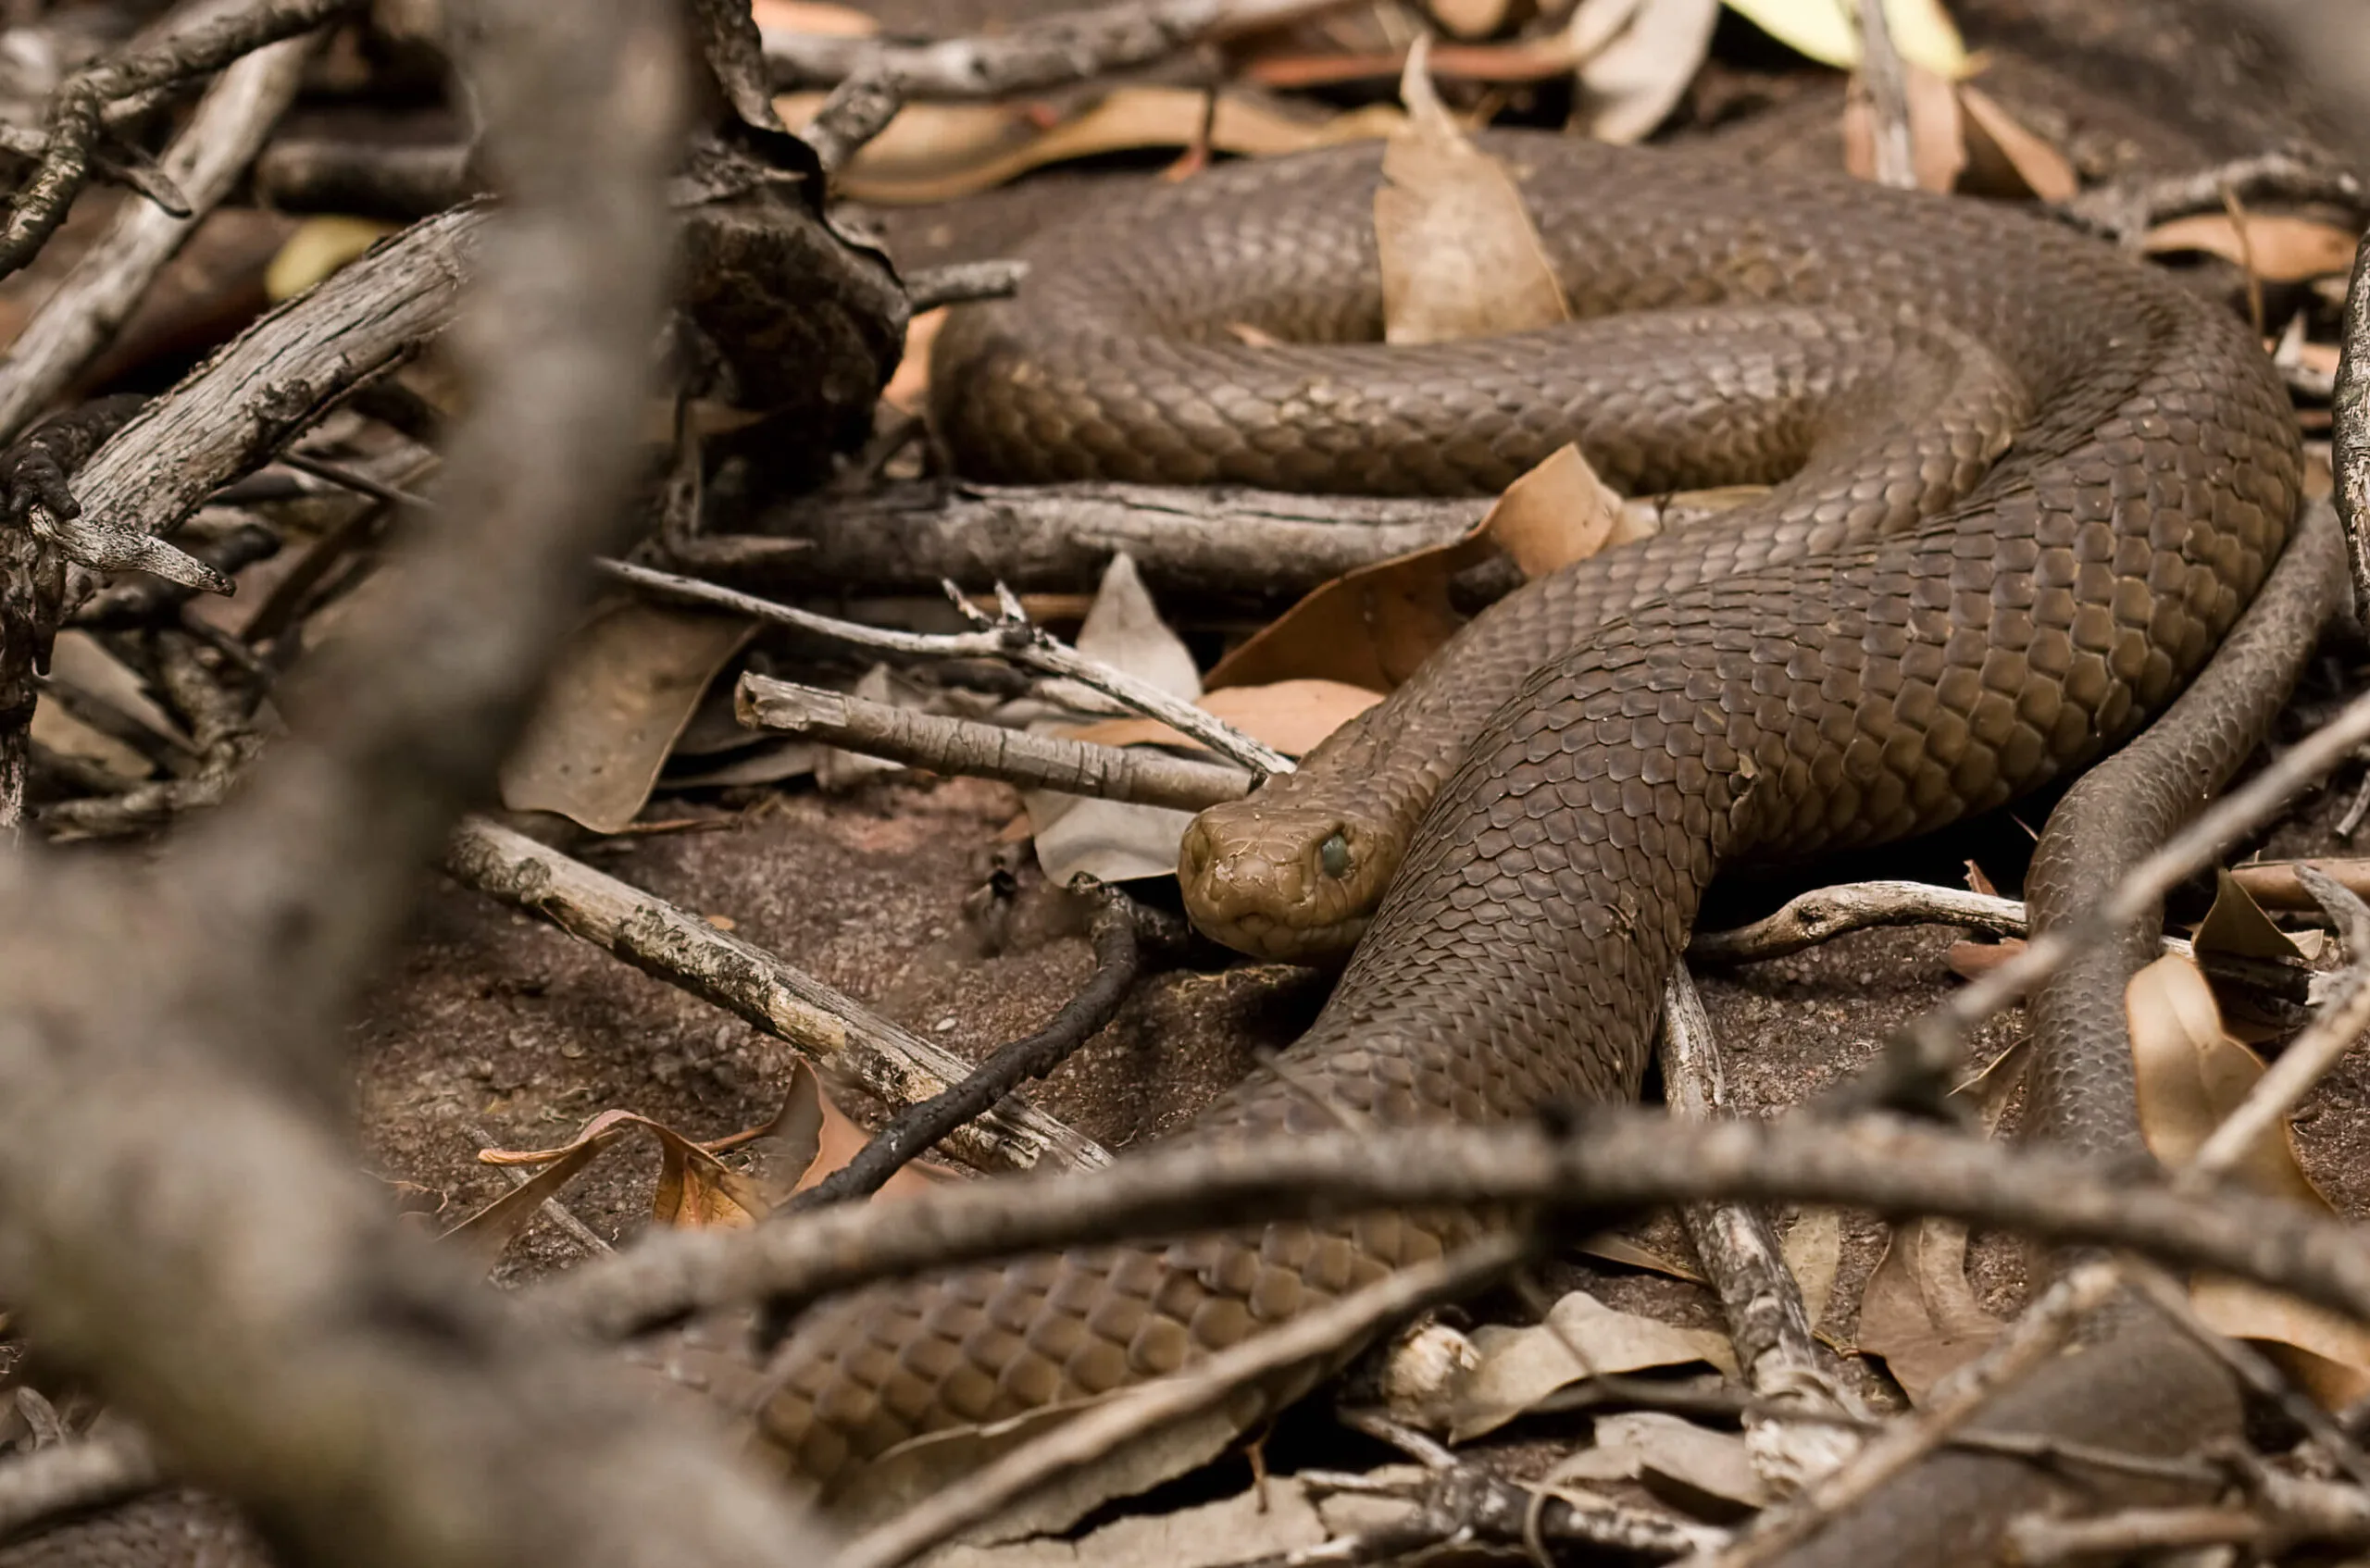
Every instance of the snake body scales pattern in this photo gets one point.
(2023, 490)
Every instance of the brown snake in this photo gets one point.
(2023, 490)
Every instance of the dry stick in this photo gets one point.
(858, 109)
(958, 282)
(2024, 1345)
(77, 109)
(963, 747)
(1768, 1318)
(1118, 958)
(1012, 637)
(2282, 1511)
(219, 1265)
(2124, 210)
(1246, 546)
(1888, 89)
(2350, 448)
(1097, 1432)
(1931, 1045)
(834, 1031)
(107, 283)
(1052, 52)
(1612, 1164)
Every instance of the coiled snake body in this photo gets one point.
(2023, 490)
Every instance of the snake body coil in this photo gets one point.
(2023, 490)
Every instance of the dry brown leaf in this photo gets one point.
(1519, 1367)
(624, 686)
(2005, 158)
(1629, 84)
(1707, 1474)
(2274, 246)
(1291, 715)
(909, 388)
(1938, 141)
(1469, 18)
(1373, 627)
(2191, 1075)
(1454, 244)
(814, 16)
(1917, 1310)
(491, 1229)
(2237, 925)
(935, 153)
(318, 247)
(1615, 1248)
(838, 1139)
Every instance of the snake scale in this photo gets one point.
(2022, 490)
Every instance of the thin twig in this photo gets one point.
(1610, 1165)
(967, 748)
(1118, 957)
(835, 1031)
(1886, 84)
(1012, 637)
(2350, 437)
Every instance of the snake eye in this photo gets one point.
(1334, 854)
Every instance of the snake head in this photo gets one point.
(1289, 882)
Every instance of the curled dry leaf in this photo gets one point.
(1829, 31)
(1372, 628)
(938, 152)
(1457, 251)
(1709, 1475)
(1917, 1311)
(1257, 1525)
(2191, 1075)
(2237, 925)
(2006, 158)
(621, 692)
(1518, 1367)
(2276, 247)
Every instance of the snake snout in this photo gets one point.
(1281, 882)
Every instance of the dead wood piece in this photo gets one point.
(1255, 549)
(2124, 210)
(895, 1067)
(78, 320)
(1767, 1319)
(1886, 82)
(858, 109)
(1463, 1503)
(960, 747)
(960, 281)
(77, 109)
(1011, 636)
(1607, 1166)
(2350, 437)
(1050, 53)
(365, 179)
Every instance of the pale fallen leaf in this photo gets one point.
(937, 152)
(1938, 141)
(1630, 84)
(1707, 1474)
(2005, 158)
(2276, 247)
(1458, 253)
(908, 389)
(1813, 1248)
(1112, 841)
(1371, 627)
(1614, 1248)
(1828, 30)
(319, 247)
(623, 688)
(1521, 1366)
(2191, 1075)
